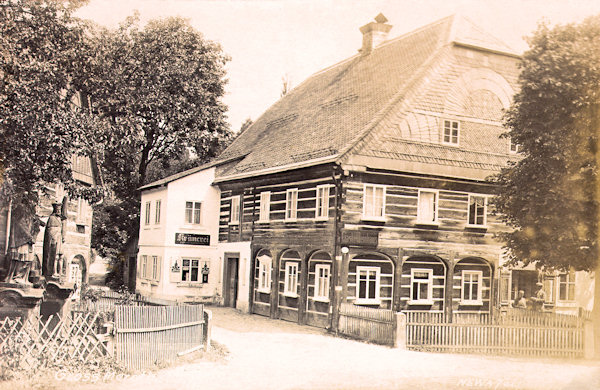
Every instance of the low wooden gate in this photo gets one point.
(149, 335)
(510, 333)
(375, 325)
(29, 344)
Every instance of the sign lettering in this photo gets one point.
(192, 239)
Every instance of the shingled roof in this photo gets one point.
(326, 115)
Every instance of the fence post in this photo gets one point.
(588, 340)
(206, 329)
(400, 339)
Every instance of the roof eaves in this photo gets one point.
(487, 49)
(182, 174)
(281, 168)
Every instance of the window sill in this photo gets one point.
(566, 303)
(456, 145)
(471, 303)
(290, 220)
(264, 291)
(372, 219)
(321, 219)
(321, 299)
(428, 224)
(478, 227)
(233, 223)
(421, 302)
(190, 284)
(290, 295)
(262, 221)
(367, 302)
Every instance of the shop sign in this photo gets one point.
(360, 238)
(192, 239)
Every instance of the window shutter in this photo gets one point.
(159, 270)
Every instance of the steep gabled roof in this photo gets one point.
(326, 115)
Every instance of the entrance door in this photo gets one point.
(231, 280)
(76, 277)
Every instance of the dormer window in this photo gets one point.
(451, 132)
(513, 147)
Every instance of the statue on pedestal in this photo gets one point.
(23, 230)
(53, 240)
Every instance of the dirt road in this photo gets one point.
(268, 354)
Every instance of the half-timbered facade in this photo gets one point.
(368, 182)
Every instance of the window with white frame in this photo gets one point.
(157, 212)
(471, 288)
(427, 211)
(193, 211)
(291, 204)
(144, 266)
(264, 274)
(451, 132)
(154, 267)
(291, 279)
(322, 277)
(477, 210)
(147, 215)
(190, 270)
(421, 286)
(265, 206)
(322, 209)
(374, 202)
(367, 284)
(566, 287)
(234, 213)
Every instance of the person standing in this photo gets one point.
(539, 298)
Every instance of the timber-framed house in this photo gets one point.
(368, 183)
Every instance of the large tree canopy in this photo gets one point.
(158, 91)
(40, 127)
(550, 196)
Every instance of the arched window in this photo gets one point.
(290, 266)
(371, 280)
(319, 281)
(263, 271)
(423, 283)
(472, 278)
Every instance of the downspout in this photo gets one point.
(8, 227)
(337, 261)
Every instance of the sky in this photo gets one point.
(268, 40)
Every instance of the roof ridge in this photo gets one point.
(413, 32)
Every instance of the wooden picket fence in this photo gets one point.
(150, 335)
(28, 344)
(375, 325)
(511, 332)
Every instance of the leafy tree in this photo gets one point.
(40, 127)
(158, 91)
(247, 123)
(550, 197)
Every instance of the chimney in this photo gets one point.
(374, 34)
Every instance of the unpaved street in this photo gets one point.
(268, 354)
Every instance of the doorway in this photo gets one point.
(231, 279)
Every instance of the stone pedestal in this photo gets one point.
(56, 300)
(19, 300)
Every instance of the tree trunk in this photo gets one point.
(596, 312)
